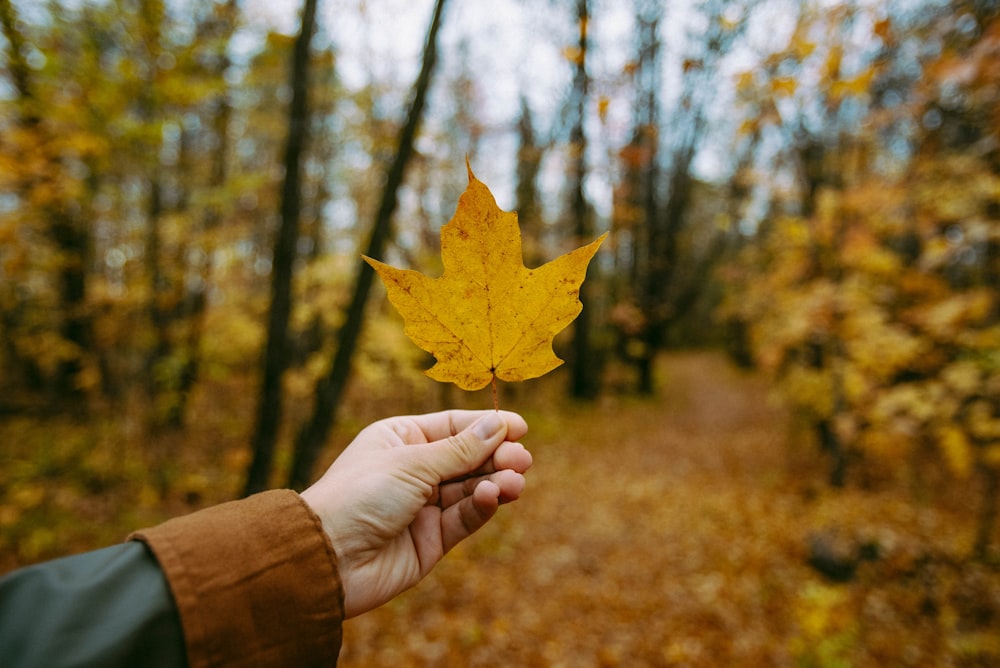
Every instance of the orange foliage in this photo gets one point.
(879, 288)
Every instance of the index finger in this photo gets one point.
(443, 424)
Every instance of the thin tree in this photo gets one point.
(330, 388)
(584, 373)
(642, 174)
(528, 207)
(276, 353)
(217, 30)
(150, 105)
(64, 226)
(669, 278)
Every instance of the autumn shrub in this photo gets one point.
(873, 297)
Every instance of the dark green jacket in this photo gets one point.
(111, 607)
(247, 583)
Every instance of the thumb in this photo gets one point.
(466, 451)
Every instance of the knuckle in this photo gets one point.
(465, 446)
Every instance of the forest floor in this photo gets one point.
(677, 532)
(670, 531)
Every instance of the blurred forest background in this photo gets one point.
(778, 429)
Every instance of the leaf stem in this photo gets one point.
(496, 401)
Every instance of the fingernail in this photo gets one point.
(487, 426)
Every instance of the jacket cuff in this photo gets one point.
(255, 582)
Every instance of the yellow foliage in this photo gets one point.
(47, 348)
(745, 81)
(985, 339)
(888, 444)
(855, 86)
(827, 627)
(793, 231)
(857, 385)
(783, 86)
(811, 390)
(28, 495)
(962, 376)
(991, 455)
(880, 348)
(947, 318)
(956, 449)
(573, 54)
(233, 338)
(863, 251)
(937, 252)
(982, 420)
(387, 359)
(749, 126)
(603, 104)
(802, 47)
(831, 68)
(89, 377)
(909, 404)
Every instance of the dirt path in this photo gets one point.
(668, 532)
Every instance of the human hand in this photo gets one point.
(408, 489)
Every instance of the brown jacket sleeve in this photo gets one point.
(255, 582)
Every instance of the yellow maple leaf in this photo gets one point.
(488, 316)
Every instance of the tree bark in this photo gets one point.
(585, 373)
(220, 28)
(987, 518)
(276, 353)
(330, 388)
(529, 164)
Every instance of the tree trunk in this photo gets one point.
(669, 277)
(269, 411)
(159, 377)
(330, 387)
(831, 445)
(221, 28)
(156, 383)
(987, 512)
(74, 244)
(529, 164)
(65, 229)
(585, 372)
